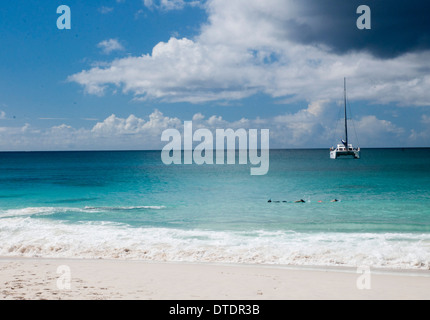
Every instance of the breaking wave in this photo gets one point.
(39, 211)
(21, 235)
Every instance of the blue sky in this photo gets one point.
(128, 69)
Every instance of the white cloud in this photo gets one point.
(289, 130)
(307, 127)
(371, 124)
(198, 117)
(376, 132)
(148, 3)
(310, 127)
(179, 70)
(168, 5)
(110, 45)
(242, 50)
(421, 136)
(425, 119)
(105, 10)
(114, 126)
(113, 133)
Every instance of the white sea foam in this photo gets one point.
(34, 211)
(125, 208)
(26, 236)
(29, 211)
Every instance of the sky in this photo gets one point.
(129, 69)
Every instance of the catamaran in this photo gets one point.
(345, 148)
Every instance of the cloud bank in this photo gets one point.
(310, 127)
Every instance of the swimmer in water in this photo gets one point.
(334, 200)
(300, 201)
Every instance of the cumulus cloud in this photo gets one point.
(105, 10)
(377, 132)
(170, 4)
(131, 133)
(421, 136)
(247, 47)
(310, 127)
(179, 70)
(114, 126)
(425, 119)
(110, 45)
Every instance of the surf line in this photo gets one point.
(247, 143)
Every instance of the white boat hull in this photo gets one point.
(334, 154)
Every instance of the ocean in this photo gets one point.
(130, 205)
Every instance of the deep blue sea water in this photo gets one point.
(130, 205)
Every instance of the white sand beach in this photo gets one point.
(52, 279)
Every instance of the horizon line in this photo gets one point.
(160, 150)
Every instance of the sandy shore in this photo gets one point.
(31, 278)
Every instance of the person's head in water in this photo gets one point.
(300, 201)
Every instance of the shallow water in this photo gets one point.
(131, 205)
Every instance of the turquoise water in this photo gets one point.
(130, 205)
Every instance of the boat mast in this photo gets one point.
(346, 121)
